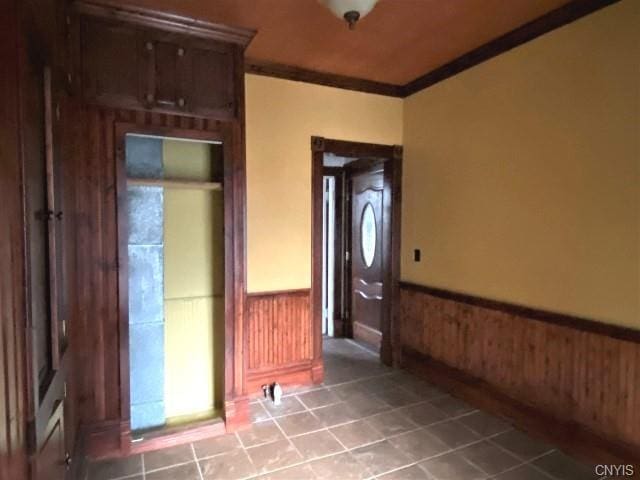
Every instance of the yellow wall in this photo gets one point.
(522, 175)
(193, 285)
(281, 118)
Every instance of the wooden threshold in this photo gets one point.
(178, 435)
(188, 184)
(569, 437)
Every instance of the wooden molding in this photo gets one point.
(166, 183)
(145, 17)
(269, 69)
(368, 335)
(529, 31)
(179, 435)
(344, 148)
(236, 414)
(295, 374)
(569, 436)
(557, 18)
(293, 291)
(576, 323)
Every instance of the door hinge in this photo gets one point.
(346, 256)
(64, 328)
(64, 389)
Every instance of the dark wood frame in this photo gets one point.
(234, 218)
(392, 154)
(548, 22)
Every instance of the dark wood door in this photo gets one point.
(47, 338)
(366, 252)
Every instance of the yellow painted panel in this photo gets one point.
(521, 176)
(186, 160)
(281, 117)
(194, 302)
(193, 375)
(193, 243)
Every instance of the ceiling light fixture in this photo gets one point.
(350, 10)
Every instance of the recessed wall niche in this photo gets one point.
(175, 216)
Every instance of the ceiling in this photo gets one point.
(397, 42)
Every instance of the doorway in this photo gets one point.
(356, 244)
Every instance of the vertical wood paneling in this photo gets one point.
(581, 376)
(280, 330)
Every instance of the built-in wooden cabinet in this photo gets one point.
(127, 65)
(111, 64)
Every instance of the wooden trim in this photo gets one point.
(188, 184)
(521, 35)
(344, 148)
(576, 323)
(298, 373)
(234, 197)
(393, 169)
(295, 291)
(297, 74)
(368, 335)
(548, 22)
(568, 436)
(171, 22)
(179, 435)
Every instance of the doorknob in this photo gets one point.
(68, 460)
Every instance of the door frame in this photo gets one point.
(392, 196)
(234, 278)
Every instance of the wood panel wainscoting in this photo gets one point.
(570, 381)
(281, 339)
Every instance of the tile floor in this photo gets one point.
(366, 421)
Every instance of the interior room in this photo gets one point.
(320, 239)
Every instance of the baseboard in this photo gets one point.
(236, 414)
(568, 436)
(172, 436)
(105, 439)
(296, 374)
(368, 335)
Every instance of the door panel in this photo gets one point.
(44, 226)
(366, 254)
(52, 460)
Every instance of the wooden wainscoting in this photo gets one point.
(583, 376)
(280, 339)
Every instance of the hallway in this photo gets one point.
(367, 421)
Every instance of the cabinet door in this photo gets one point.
(210, 80)
(110, 64)
(164, 69)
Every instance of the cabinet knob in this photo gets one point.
(149, 45)
(181, 52)
(149, 97)
(181, 102)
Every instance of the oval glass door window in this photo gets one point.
(368, 235)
